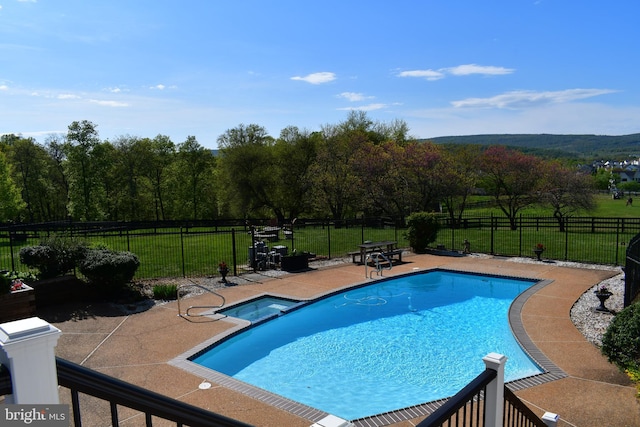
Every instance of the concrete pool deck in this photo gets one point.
(139, 347)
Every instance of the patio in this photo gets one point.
(137, 347)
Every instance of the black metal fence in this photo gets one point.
(104, 396)
(632, 271)
(195, 248)
(466, 408)
(517, 414)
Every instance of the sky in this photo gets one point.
(201, 67)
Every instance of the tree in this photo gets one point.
(193, 169)
(335, 184)
(82, 170)
(248, 168)
(566, 191)
(130, 174)
(295, 152)
(459, 171)
(11, 203)
(161, 155)
(30, 165)
(604, 179)
(384, 186)
(424, 182)
(57, 204)
(379, 162)
(422, 229)
(630, 186)
(512, 178)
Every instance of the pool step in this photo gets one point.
(332, 421)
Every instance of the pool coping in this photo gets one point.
(551, 372)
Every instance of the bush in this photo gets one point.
(165, 291)
(5, 284)
(110, 269)
(54, 256)
(422, 229)
(621, 341)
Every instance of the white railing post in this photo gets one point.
(494, 396)
(550, 419)
(27, 350)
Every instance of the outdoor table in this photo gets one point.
(371, 246)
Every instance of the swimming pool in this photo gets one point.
(389, 345)
(259, 308)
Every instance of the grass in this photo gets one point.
(165, 292)
(176, 253)
(606, 207)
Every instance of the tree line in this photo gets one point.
(354, 167)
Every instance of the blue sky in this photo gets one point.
(454, 67)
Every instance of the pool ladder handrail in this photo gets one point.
(376, 258)
(186, 313)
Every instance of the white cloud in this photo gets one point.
(528, 98)
(159, 87)
(109, 103)
(67, 96)
(4, 87)
(465, 70)
(317, 78)
(427, 74)
(561, 118)
(460, 70)
(353, 96)
(370, 107)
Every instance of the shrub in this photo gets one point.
(165, 291)
(634, 375)
(110, 269)
(5, 284)
(55, 256)
(621, 341)
(422, 229)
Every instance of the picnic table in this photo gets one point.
(271, 234)
(386, 247)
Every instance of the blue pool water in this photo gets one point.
(386, 346)
(259, 308)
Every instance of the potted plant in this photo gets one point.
(18, 300)
(603, 293)
(538, 249)
(223, 269)
(296, 261)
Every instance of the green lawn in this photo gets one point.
(197, 251)
(605, 207)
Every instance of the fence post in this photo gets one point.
(550, 419)
(28, 351)
(184, 273)
(233, 250)
(328, 238)
(494, 395)
(396, 221)
(492, 251)
(520, 236)
(566, 239)
(618, 238)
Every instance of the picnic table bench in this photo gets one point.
(387, 248)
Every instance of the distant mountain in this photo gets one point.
(573, 146)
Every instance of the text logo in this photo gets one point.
(34, 415)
